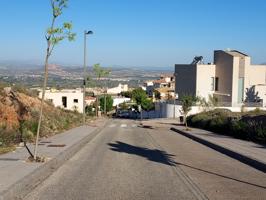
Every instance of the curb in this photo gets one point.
(24, 186)
(252, 162)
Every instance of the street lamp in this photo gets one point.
(84, 74)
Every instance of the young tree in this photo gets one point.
(139, 95)
(157, 94)
(127, 94)
(213, 101)
(99, 73)
(54, 36)
(187, 101)
(123, 106)
(147, 105)
(106, 101)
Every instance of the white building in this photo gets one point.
(232, 79)
(116, 90)
(67, 99)
(119, 100)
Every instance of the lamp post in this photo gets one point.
(84, 74)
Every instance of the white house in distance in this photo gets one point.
(116, 90)
(67, 99)
(119, 100)
(231, 78)
(165, 81)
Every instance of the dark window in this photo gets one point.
(216, 83)
(64, 102)
(76, 100)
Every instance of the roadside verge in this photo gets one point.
(246, 152)
(29, 175)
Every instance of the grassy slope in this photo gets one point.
(19, 113)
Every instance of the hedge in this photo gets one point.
(248, 126)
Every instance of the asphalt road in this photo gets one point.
(125, 161)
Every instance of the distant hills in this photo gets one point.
(35, 64)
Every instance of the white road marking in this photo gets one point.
(123, 125)
(134, 125)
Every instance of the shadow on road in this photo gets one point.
(146, 126)
(220, 175)
(154, 155)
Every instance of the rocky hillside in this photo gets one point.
(19, 111)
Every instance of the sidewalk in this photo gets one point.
(18, 177)
(247, 152)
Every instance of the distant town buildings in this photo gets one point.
(231, 78)
(117, 90)
(90, 100)
(165, 87)
(120, 100)
(66, 99)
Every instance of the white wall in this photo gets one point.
(204, 80)
(56, 98)
(116, 90)
(261, 89)
(119, 100)
(167, 110)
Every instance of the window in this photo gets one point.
(76, 100)
(214, 83)
(64, 102)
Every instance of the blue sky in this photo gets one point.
(136, 32)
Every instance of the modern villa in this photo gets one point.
(231, 78)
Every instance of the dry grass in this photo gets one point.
(7, 149)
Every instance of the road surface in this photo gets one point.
(128, 161)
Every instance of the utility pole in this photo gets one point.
(84, 75)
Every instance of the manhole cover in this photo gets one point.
(45, 142)
(56, 145)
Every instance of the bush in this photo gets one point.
(199, 120)
(8, 137)
(249, 126)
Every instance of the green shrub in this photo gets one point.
(200, 120)
(219, 124)
(238, 128)
(251, 125)
(8, 137)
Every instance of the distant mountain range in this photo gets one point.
(35, 64)
(32, 69)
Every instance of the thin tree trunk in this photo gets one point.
(186, 121)
(42, 102)
(48, 53)
(96, 109)
(104, 104)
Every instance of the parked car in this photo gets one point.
(122, 113)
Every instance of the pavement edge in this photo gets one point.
(261, 166)
(21, 188)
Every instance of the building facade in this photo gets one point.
(232, 79)
(66, 99)
(117, 90)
